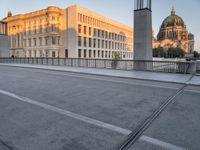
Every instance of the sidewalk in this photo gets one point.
(155, 76)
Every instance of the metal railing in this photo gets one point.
(140, 65)
(198, 66)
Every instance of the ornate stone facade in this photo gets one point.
(173, 33)
(73, 32)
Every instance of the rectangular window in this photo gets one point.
(99, 43)
(90, 53)
(102, 34)
(94, 43)
(85, 42)
(53, 40)
(90, 31)
(79, 41)
(94, 54)
(90, 42)
(53, 54)
(79, 28)
(85, 53)
(106, 44)
(109, 35)
(102, 44)
(95, 32)
(81, 17)
(85, 30)
(66, 53)
(106, 34)
(99, 33)
(79, 53)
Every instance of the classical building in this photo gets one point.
(173, 33)
(73, 32)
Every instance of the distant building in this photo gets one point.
(73, 32)
(173, 33)
(4, 47)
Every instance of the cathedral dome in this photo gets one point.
(173, 20)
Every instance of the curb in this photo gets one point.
(87, 73)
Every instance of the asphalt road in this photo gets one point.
(50, 110)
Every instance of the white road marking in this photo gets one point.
(160, 143)
(68, 113)
(96, 78)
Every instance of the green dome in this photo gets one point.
(173, 20)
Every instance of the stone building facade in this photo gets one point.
(173, 33)
(4, 47)
(74, 32)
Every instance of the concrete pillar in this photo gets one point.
(143, 34)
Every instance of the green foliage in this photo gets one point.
(196, 54)
(175, 52)
(170, 53)
(117, 56)
(158, 52)
(116, 59)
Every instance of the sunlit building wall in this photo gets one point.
(4, 48)
(73, 32)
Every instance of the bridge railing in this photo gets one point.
(140, 65)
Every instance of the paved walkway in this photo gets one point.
(144, 75)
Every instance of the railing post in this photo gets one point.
(72, 62)
(126, 65)
(64, 61)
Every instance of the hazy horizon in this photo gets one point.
(121, 11)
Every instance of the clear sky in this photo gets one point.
(120, 10)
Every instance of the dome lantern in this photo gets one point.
(173, 11)
(9, 14)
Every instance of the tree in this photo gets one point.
(196, 54)
(158, 52)
(175, 52)
(117, 58)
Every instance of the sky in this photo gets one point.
(119, 10)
